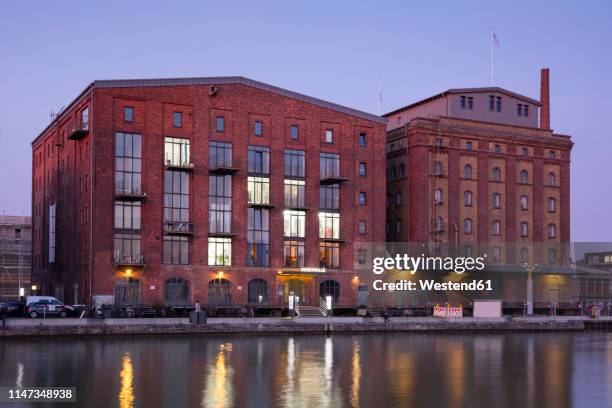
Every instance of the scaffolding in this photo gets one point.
(15, 256)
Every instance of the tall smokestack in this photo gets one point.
(545, 99)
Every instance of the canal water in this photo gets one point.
(369, 370)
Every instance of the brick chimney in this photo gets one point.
(544, 99)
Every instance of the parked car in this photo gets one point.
(14, 308)
(48, 308)
(34, 299)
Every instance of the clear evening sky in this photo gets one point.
(334, 50)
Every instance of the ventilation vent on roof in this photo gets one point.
(212, 91)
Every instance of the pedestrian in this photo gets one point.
(385, 314)
(198, 307)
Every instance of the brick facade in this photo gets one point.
(78, 176)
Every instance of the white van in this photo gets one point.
(34, 299)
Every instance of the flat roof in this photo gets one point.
(454, 91)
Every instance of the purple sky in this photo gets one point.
(49, 51)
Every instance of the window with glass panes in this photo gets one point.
(329, 225)
(294, 163)
(294, 254)
(220, 155)
(258, 160)
(329, 197)
(329, 165)
(176, 196)
(258, 190)
(176, 151)
(128, 158)
(127, 248)
(258, 237)
(329, 254)
(127, 215)
(220, 203)
(294, 223)
(219, 251)
(294, 193)
(177, 119)
(176, 250)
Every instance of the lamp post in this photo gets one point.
(530, 268)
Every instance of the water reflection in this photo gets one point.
(433, 370)
(126, 394)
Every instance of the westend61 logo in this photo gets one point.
(404, 262)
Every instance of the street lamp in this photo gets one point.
(530, 268)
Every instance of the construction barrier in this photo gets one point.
(448, 311)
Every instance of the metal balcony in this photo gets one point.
(78, 130)
(331, 177)
(129, 191)
(182, 165)
(221, 167)
(133, 259)
(178, 228)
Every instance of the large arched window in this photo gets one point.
(219, 292)
(467, 171)
(496, 174)
(437, 168)
(176, 292)
(330, 288)
(127, 292)
(296, 288)
(257, 291)
(523, 177)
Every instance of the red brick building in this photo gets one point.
(222, 190)
(474, 169)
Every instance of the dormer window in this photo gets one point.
(463, 101)
(470, 101)
(525, 110)
(498, 103)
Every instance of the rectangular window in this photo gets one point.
(220, 204)
(462, 100)
(497, 148)
(219, 251)
(295, 223)
(519, 109)
(177, 119)
(176, 152)
(258, 190)
(468, 145)
(220, 124)
(258, 237)
(127, 215)
(491, 103)
(295, 132)
(128, 114)
(259, 160)
(362, 169)
(294, 254)
(176, 250)
(295, 193)
(294, 163)
(128, 163)
(525, 151)
(362, 198)
(329, 225)
(498, 103)
(176, 197)
(258, 128)
(329, 197)
(438, 142)
(329, 136)
(362, 140)
(85, 118)
(220, 155)
(329, 165)
(525, 110)
(470, 102)
(127, 248)
(362, 227)
(329, 254)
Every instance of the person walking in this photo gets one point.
(198, 307)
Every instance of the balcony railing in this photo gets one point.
(78, 130)
(178, 227)
(179, 164)
(221, 165)
(128, 190)
(331, 176)
(128, 259)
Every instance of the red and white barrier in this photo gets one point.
(448, 311)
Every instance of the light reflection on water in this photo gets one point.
(433, 370)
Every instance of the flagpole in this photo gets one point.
(379, 97)
(492, 57)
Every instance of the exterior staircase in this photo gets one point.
(309, 311)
